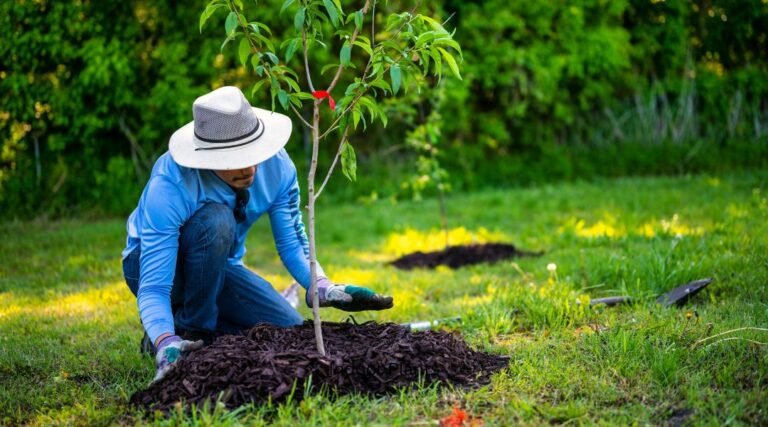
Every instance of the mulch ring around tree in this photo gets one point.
(268, 362)
(461, 255)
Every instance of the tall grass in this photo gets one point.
(661, 115)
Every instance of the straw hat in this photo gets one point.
(227, 133)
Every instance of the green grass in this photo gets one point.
(69, 330)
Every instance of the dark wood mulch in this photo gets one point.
(461, 255)
(269, 361)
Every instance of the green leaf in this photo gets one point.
(294, 100)
(332, 12)
(231, 23)
(343, 122)
(396, 75)
(344, 55)
(438, 68)
(381, 84)
(373, 109)
(298, 19)
(292, 83)
(434, 24)
(208, 12)
(327, 67)
(451, 62)
(244, 50)
(282, 96)
(272, 57)
(446, 41)
(285, 70)
(258, 26)
(366, 47)
(257, 86)
(355, 117)
(351, 88)
(424, 60)
(359, 19)
(424, 38)
(226, 40)
(259, 68)
(292, 47)
(286, 5)
(338, 6)
(265, 41)
(348, 162)
(303, 95)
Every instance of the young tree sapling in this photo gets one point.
(401, 52)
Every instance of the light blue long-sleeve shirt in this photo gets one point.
(174, 193)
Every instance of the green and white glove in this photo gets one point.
(169, 351)
(348, 297)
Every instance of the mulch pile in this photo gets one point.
(461, 255)
(268, 362)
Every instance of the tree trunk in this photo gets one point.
(311, 221)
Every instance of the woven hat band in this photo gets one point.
(255, 134)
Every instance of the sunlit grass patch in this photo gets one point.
(359, 276)
(609, 226)
(606, 227)
(89, 303)
(412, 240)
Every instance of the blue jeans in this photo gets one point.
(210, 296)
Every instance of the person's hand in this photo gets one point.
(169, 351)
(348, 297)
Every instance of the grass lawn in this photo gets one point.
(69, 329)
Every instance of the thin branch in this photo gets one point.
(333, 128)
(448, 19)
(737, 339)
(298, 114)
(306, 60)
(312, 247)
(747, 328)
(333, 164)
(141, 162)
(351, 42)
(373, 24)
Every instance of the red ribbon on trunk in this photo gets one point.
(322, 94)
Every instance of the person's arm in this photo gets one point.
(293, 247)
(165, 211)
(288, 230)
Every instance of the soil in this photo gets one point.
(461, 255)
(270, 362)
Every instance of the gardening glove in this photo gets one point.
(169, 351)
(348, 297)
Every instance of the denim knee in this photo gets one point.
(213, 224)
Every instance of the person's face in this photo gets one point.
(238, 178)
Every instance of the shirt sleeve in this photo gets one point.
(165, 211)
(288, 231)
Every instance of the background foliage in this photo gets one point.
(551, 90)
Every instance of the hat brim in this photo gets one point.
(277, 130)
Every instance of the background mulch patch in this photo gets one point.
(461, 255)
(370, 358)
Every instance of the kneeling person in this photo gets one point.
(183, 258)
